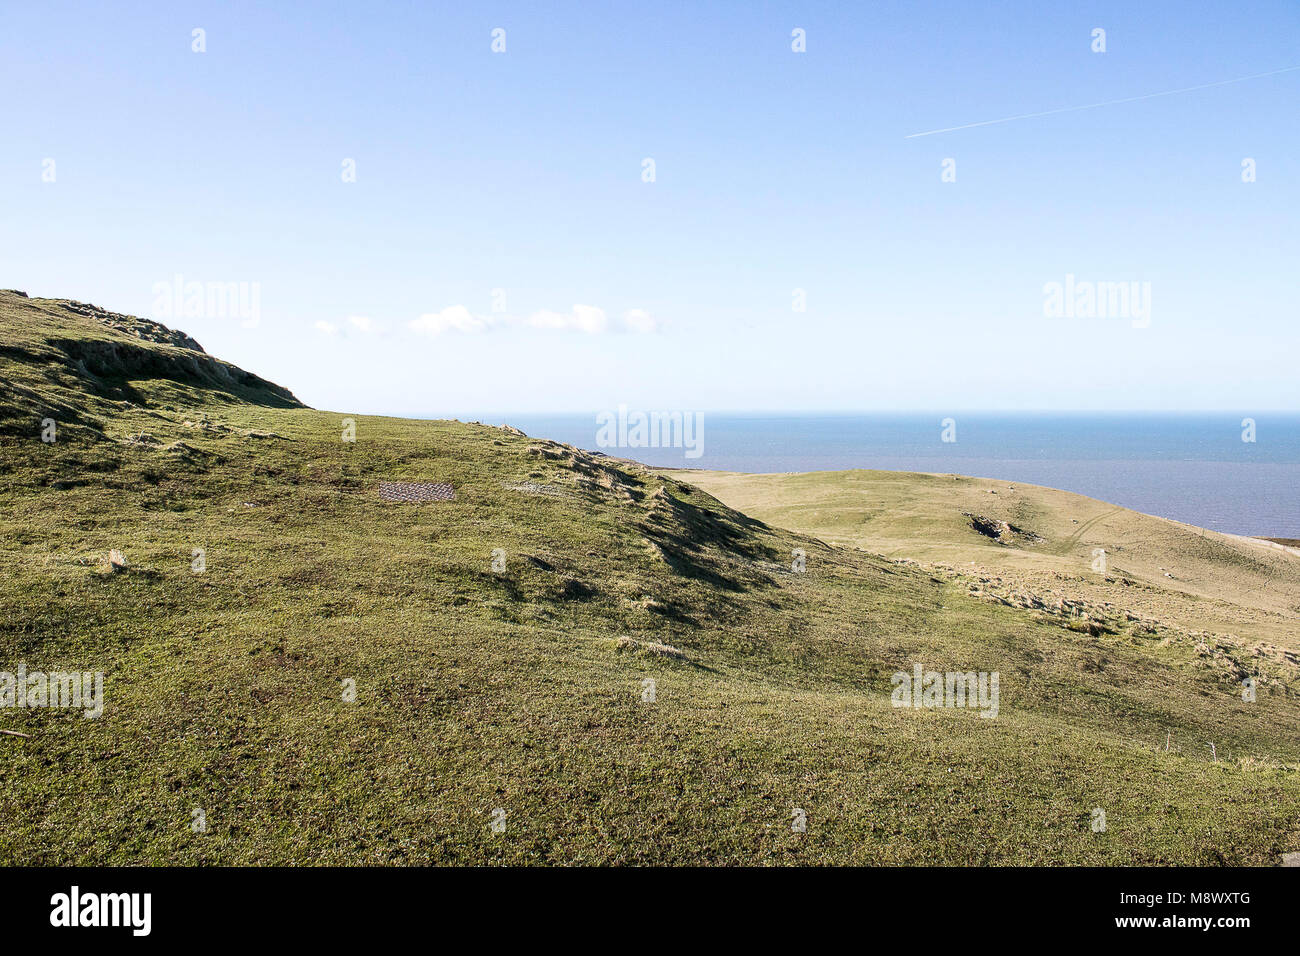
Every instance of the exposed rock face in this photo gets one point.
(1001, 531)
(146, 329)
(81, 363)
(108, 364)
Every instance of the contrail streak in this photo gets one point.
(1093, 106)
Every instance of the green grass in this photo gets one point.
(478, 690)
(1158, 567)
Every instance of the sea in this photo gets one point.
(1237, 473)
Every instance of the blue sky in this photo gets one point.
(774, 171)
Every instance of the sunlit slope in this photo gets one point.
(81, 366)
(1154, 565)
(499, 646)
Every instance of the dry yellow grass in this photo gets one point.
(1154, 567)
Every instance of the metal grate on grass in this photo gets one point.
(415, 491)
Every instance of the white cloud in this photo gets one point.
(328, 328)
(454, 318)
(639, 320)
(362, 323)
(587, 319)
(583, 318)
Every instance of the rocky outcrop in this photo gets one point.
(1001, 531)
(146, 329)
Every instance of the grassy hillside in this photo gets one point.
(1031, 535)
(523, 689)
